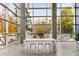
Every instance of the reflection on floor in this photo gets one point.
(63, 49)
(66, 49)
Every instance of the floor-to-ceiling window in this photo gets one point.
(77, 21)
(9, 23)
(39, 23)
(65, 21)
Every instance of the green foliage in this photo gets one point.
(67, 21)
(77, 36)
(27, 26)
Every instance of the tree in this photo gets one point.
(1, 25)
(66, 21)
(28, 21)
(58, 21)
(12, 27)
(42, 28)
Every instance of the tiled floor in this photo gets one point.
(66, 49)
(63, 49)
(14, 50)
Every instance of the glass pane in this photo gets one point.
(67, 20)
(77, 28)
(2, 12)
(49, 12)
(30, 12)
(41, 12)
(12, 7)
(40, 5)
(12, 27)
(8, 28)
(11, 38)
(12, 31)
(2, 41)
(2, 33)
(30, 5)
(2, 26)
(67, 28)
(77, 20)
(67, 33)
(58, 5)
(18, 4)
(67, 5)
(49, 20)
(58, 28)
(31, 20)
(58, 12)
(11, 17)
(77, 4)
(67, 11)
(77, 11)
(41, 30)
(39, 20)
(58, 20)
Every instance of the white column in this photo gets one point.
(18, 22)
(6, 26)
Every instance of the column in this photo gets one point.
(22, 25)
(54, 30)
(77, 21)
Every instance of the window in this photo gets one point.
(65, 21)
(8, 24)
(77, 19)
(40, 14)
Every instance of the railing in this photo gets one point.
(40, 46)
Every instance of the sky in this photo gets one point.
(42, 12)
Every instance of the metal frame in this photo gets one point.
(5, 35)
(39, 8)
(66, 15)
(9, 9)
